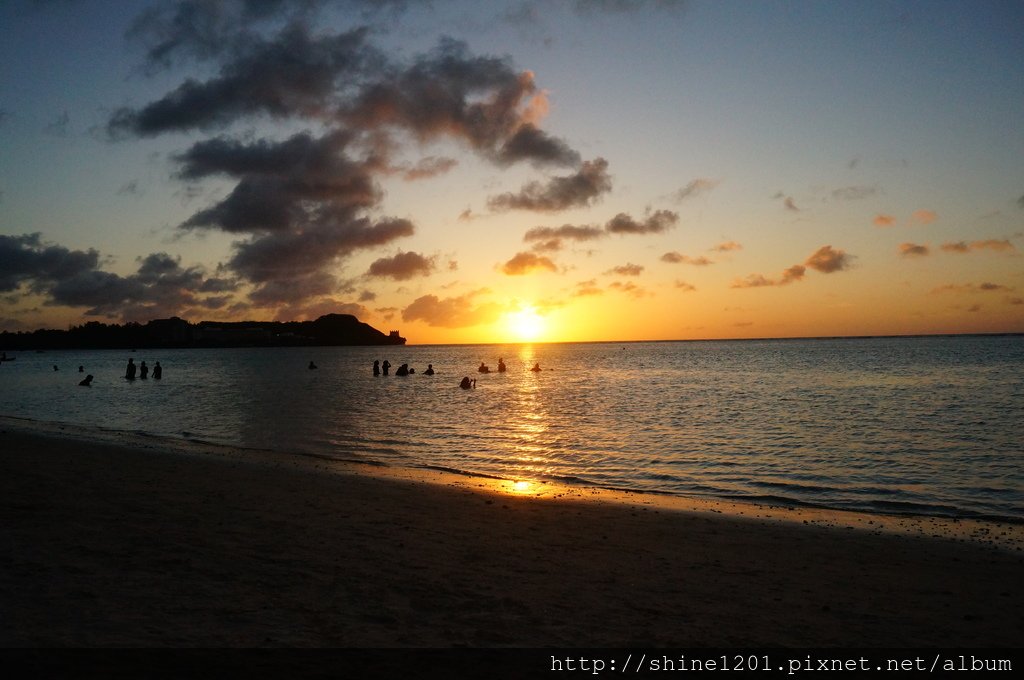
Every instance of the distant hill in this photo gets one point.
(331, 329)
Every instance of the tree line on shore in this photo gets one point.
(330, 329)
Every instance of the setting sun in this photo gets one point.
(525, 324)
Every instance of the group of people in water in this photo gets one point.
(384, 368)
(129, 372)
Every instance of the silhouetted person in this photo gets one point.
(376, 367)
(81, 369)
(87, 382)
(158, 371)
(143, 371)
(311, 365)
(386, 366)
(483, 368)
(430, 370)
(55, 367)
(536, 367)
(467, 383)
(402, 370)
(501, 365)
(129, 371)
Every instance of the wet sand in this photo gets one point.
(134, 543)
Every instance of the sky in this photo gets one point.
(531, 170)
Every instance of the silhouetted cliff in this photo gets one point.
(332, 329)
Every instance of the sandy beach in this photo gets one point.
(134, 543)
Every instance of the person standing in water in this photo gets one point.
(143, 371)
(386, 366)
(158, 372)
(129, 371)
(376, 367)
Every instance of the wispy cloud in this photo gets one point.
(674, 257)
(986, 287)
(629, 269)
(997, 245)
(727, 247)
(854, 193)
(923, 216)
(694, 188)
(559, 193)
(527, 263)
(884, 220)
(913, 250)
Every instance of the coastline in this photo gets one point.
(148, 542)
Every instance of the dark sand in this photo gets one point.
(107, 544)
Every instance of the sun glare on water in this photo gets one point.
(526, 324)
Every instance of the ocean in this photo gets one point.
(924, 425)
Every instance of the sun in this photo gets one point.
(525, 324)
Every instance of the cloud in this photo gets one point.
(568, 231)
(853, 193)
(585, 7)
(997, 245)
(402, 267)
(28, 260)
(788, 276)
(628, 269)
(790, 204)
(726, 247)
(828, 260)
(453, 312)
(912, 250)
(923, 217)
(629, 288)
(428, 167)
(884, 220)
(526, 263)
(658, 223)
(560, 193)
(678, 258)
(587, 288)
(694, 188)
(985, 287)
(685, 287)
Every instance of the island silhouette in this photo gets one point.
(328, 330)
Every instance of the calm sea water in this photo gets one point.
(915, 425)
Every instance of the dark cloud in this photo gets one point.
(913, 250)
(828, 260)
(428, 167)
(560, 193)
(997, 245)
(674, 257)
(453, 312)
(526, 263)
(483, 101)
(27, 260)
(569, 232)
(295, 75)
(402, 267)
(790, 204)
(302, 204)
(628, 269)
(790, 275)
(658, 223)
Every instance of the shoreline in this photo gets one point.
(1004, 533)
(135, 544)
